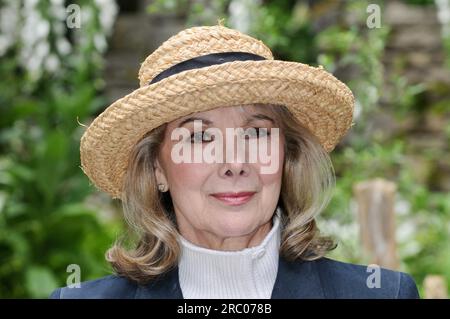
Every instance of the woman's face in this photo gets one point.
(219, 202)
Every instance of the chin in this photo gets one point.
(235, 226)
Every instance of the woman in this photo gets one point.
(221, 161)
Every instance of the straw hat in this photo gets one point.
(202, 68)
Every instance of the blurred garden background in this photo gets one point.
(59, 69)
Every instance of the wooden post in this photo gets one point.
(376, 200)
(435, 287)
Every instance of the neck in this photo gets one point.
(212, 241)
(247, 273)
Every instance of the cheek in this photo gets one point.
(271, 179)
(271, 186)
(183, 177)
(276, 164)
(187, 177)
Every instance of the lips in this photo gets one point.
(234, 199)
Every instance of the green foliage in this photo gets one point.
(158, 6)
(446, 45)
(420, 2)
(45, 224)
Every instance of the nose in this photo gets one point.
(234, 169)
(235, 159)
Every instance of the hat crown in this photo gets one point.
(197, 41)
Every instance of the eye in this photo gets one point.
(256, 132)
(199, 137)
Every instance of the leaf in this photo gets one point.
(52, 164)
(14, 250)
(40, 281)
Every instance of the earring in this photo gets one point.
(161, 187)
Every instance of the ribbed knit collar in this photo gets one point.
(247, 273)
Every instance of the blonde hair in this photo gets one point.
(307, 184)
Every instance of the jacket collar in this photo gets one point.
(166, 286)
(295, 280)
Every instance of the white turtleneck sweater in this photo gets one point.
(248, 273)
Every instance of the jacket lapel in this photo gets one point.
(167, 286)
(297, 280)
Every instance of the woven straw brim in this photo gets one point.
(316, 98)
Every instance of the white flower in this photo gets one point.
(242, 14)
(63, 46)
(410, 248)
(33, 38)
(86, 15)
(402, 207)
(9, 19)
(41, 29)
(358, 109)
(58, 10)
(42, 49)
(22, 22)
(33, 66)
(108, 11)
(5, 43)
(30, 4)
(100, 42)
(57, 3)
(443, 14)
(52, 63)
(406, 231)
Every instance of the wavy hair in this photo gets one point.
(308, 181)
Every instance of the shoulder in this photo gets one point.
(108, 287)
(346, 280)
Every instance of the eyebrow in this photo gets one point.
(193, 118)
(208, 122)
(260, 117)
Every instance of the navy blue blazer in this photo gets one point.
(322, 278)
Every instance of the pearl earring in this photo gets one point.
(162, 187)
